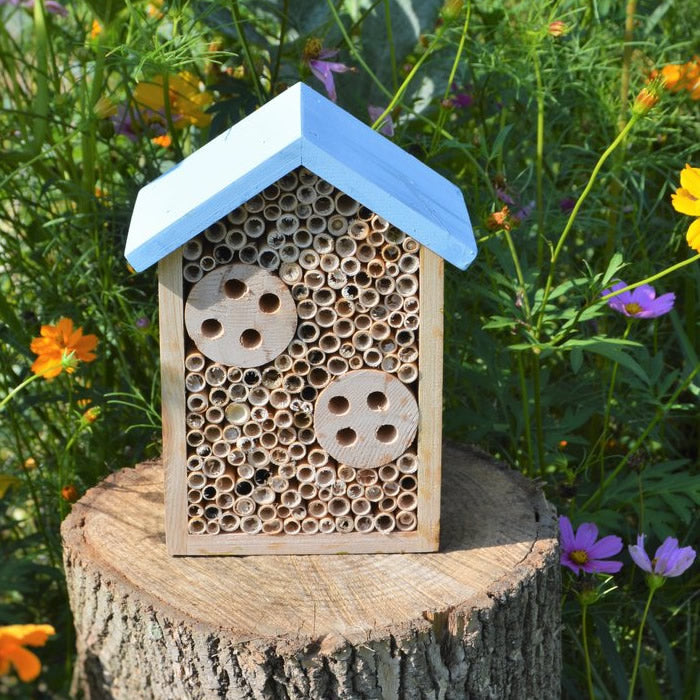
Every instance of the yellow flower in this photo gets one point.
(686, 200)
(96, 29)
(60, 347)
(13, 639)
(187, 101)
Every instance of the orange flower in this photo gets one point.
(165, 141)
(92, 414)
(502, 220)
(60, 347)
(69, 493)
(13, 639)
(96, 29)
(683, 76)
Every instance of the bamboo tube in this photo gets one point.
(323, 244)
(337, 366)
(395, 319)
(194, 510)
(369, 298)
(293, 383)
(223, 254)
(379, 330)
(385, 285)
(317, 509)
(251, 524)
(325, 296)
(377, 223)
(302, 238)
(323, 187)
(410, 245)
(361, 340)
(290, 273)
(350, 291)
(297, 349)
(407, 285)
(237, 215)
(306, 435)
(339, 488)
(263, 495)
(267, 424)
(349, 267)
(244, 506)
(309, 526)
(272, 527)
(287, 202)
(213, 467)
(408, 372)
(283, 418)
(316, 356)
(229, 522)
(325, 494)
(345, 247)
(251, 429)
(271, 378)
(346, 350)
(325, 476)
(318, 457)
(218, 398)
(287, 224)
(344, 523)
(236, 239)
(393, 302)
(408, 264)
(391, 253)
(237, 413)
(268, 259)
(408, 482)
(388, 472)
(213, 527)
(408, 353)
(405, 337)
(339, 505)
(372, 357)
(258, 396)
(207, 263)
(306, 194)
(407, 500)
(344, 308)
(362, 322)
(316, 224)
(384, 522)
(224, 501)
(330, 262)
(280, 457)
(329, 343)
(290, 498)
(299, 513)
(230, 433)
(282, 363)
(326, 525)
(362, 280)
(308, 331)
(376, 269)
(365, 252)
(314, 279)
(283, 512)
(196, 480)
(360, 506)
(392, 269)
(308, 393)
(286, 437)
(345, 205)
(259, 457)
(275, 240)
(326, 317)
(306, 309)
(252, 377)
(203, 450)
(245, 443)
(248, 254)
(291, 526)
(411, 322)
(391, 488)
(279, 484)
(271, 192)
(194, 438)
(297, 451)
(319, 377)
(337, 225)
(254, 205)
(192, 249)
(214, 414)
(375, 239)
(194, 496)
(194, 362)
(343, 328)
(359, 230)
(305, 473)
(215, 375)
(194, 463)
(367, 477)
(268, 440)
(196, 526)
(289, 253)
(238, 393)
(209, 493)
(224, 483)
(212, 432)
(236, 457)
(394, 235)
(254, 226)
(355, 362)
(192, 272)
(234, 374)
(216, 232)
(288, 182)
(374, 493)
(307, 491)
(244, 487)
(364, 523)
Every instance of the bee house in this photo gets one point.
(300, 285)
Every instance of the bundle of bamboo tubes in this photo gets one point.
(326, 287)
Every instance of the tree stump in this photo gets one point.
(478, 619)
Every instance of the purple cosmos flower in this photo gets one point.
(567, 204)
(580, 551)
(669, 559)
(387, 127)
(324, 70)
(132, 123)
(460, 98)
(640, 302)
(51, 6)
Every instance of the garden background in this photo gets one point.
(566, 125)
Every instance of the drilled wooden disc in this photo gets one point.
(240, 315)
(366, 418)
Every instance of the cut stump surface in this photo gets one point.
(478, 619)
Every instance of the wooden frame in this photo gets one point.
(425, 538)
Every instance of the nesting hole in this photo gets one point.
(211, 328)
(346, 437)
(269, 303)
(250, 338)
(378, 401)
(386, 433)
(339, 405)
(235, 289)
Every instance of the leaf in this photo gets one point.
(615, 264)
(499, 141)
(576, 360)
(610, 348)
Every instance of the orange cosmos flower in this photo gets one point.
(60, 347)
(13, 639)
(70, 493)
(683, 76)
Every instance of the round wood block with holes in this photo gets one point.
(240, 315)
(366, 418)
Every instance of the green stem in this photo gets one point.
(246, 52)
(407, 80)
(635, 446)
(539, 429)
(574, 213)
(539, 162)
(586, 654)
(525, 400)
(392, 49)
(278, 57)
(638, 653)
(169, 117)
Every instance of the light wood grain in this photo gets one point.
(172, 359)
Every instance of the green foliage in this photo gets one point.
(602, 409)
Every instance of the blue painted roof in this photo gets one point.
(299, 127)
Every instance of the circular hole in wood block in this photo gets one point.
(250, 338)
(338, 405)
(377, 401)
(269, 303)
(346, 437)
(234, 288)
(211, 328)
(386, 433)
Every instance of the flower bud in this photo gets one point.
(558, 28)
(69, 493)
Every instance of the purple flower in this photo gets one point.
(143, 322)
(460, 98)
(567, 204)
(323, 69)
(580, 551)
(669, 559)
(387, 127)
(134, 123)
(640, 302)
(51, 6)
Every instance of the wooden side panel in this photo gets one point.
(172, 354)
(430, 346)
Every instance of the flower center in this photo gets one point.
(633, 308)
(312, 49)
(579, 556)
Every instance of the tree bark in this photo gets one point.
(478, 619)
